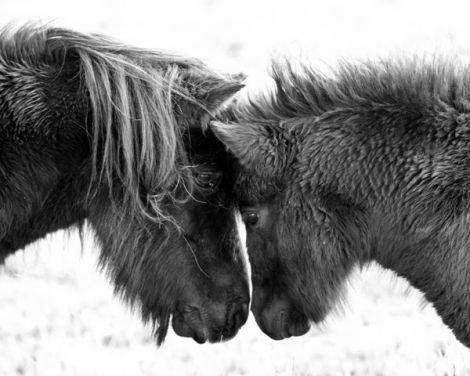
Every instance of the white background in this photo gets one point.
(57, 313)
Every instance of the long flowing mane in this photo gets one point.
(131, 92)
(414, 85)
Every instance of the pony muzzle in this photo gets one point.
(214, 323)
(278, 317)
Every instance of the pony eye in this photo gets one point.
(208, 180)
(250, 218)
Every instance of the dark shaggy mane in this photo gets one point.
(414, 85)
(136, 141)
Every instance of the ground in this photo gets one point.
(59, 317)
(58, 314)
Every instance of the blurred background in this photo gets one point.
(58, 315)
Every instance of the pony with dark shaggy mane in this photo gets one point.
(369, 164)
(91, 129)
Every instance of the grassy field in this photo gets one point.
(58, 315)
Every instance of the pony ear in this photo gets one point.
(219, 94)
(251, 144)
(213, 91)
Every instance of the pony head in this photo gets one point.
(116, 136)
(337, 171)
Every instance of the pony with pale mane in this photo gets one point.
(94, 131)
(369, 164)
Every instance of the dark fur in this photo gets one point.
(91, 129)
(371, 163)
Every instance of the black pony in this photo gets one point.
(91, 129)
(371, 163)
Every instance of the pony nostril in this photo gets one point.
(282, 326)
(241, 315)
(300, 326)
(187, 322)
(232, 312)
(283, 323)
(296, 324)
(245, 308)
(236, 316)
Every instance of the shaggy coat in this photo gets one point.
(91, 129)
(369, 163)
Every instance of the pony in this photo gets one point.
(97, 134)
(368, 163)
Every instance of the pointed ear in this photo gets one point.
(255, 148)
(213, 91)
(218, 94)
